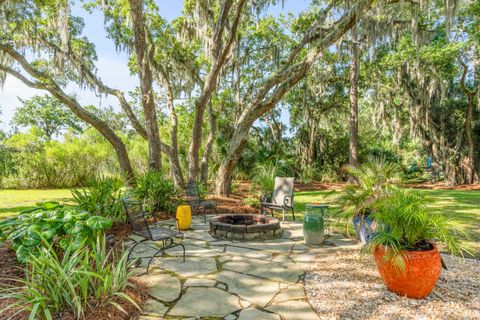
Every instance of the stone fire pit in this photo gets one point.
(244, 227)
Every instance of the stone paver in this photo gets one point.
(192, 267)
(163, 286)
(291, 293)
(231, 279)
(249, 288)
(249, 253)
(154, 308)
(276, 271)
(294, 310)
(205, 302)
(255, 314)
(194, 282)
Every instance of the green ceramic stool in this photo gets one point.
(314, 224)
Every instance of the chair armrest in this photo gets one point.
(287, 200)
(177, 224)
(265, 198)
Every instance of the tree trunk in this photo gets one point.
(144, 54)
(175, 168)
(220, 59)
(208, 146)
(470, 175)
(353, 137)
(470, 143)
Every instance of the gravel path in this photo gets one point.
(342, 285)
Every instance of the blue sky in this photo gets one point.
(112, 65)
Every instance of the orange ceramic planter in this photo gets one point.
(422, 272)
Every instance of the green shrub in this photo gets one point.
(263, 179)
(373, 179)
(405, 223)
(51, 224)
(251, 201)
(76, 281)
(102, 198)
(156, 192)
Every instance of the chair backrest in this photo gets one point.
(191, 192)
(136, 217)
(283, 188)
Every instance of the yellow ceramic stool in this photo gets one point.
(184, 217)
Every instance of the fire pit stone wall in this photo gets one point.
(245, 227)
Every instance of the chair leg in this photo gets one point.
(183, 247)
(261, 208)
(293, 213)
(283, 215)
(153, 257)
(131, 249)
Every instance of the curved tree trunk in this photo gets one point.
(144, 54)
(208, 145)
(275, 87)
(220, 58)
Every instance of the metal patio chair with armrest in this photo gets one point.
(152, 232)
(281, 198)
(197, 205)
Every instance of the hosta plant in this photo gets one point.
(54, 224)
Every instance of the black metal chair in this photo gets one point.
(197, 205)
(281, 198)
(152, 232)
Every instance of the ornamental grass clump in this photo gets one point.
(102, 198)
(75, 282)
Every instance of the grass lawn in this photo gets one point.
(14, 201)
(462, 206)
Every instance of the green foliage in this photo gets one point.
(46, 113)
(51, 224)
(263, 178)
(156, 192)
(405, 223)
(102, 198)
(76, 281)
(373, 179)
(57, 164)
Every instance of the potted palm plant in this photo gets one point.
(405, 243)
(373, 179)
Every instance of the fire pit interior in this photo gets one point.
(245, 227)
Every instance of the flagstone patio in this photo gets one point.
(231, 280)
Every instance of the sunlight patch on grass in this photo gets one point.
(13, 202)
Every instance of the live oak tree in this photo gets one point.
(47, 30)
